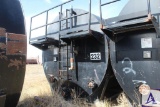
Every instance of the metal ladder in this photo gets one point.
(64, 47)
(63, 60)
(65, 53)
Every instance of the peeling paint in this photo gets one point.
(16, 44)
(3, 56)
(2, 32)
(3, 46)
(16, 63)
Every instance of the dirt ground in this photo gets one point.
(36, 93)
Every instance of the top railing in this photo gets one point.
(101, 5)
(114, 1)
(60, 18)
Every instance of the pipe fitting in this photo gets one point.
(52, 78)
(144, 89)
(72, 64)
(92, 84)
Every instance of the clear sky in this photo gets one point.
(33, 7)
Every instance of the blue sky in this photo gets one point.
(33, 7)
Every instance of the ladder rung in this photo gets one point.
(62, 70)
(63, 44)
(66, 66)
(61, 61)
(66, 58)
(68, 75)
(62, 52)
(66, 49)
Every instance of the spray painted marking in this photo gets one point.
(95, 71)
(128, 69)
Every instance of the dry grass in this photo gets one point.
(36, 93)
(35, 83)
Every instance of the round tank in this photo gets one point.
(87, 74)
(12, 52)
(135, 54)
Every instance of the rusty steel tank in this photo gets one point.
(12, 52)
(134, 46)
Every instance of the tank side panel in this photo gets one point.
(12, 67)
(130, 65)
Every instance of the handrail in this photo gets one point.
(60, 18)
(100, 4)
(53, 8)
(89, 20)
(59, 21)
(46, 11)
(149, 6)
(110, 2)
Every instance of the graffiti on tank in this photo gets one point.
(95, 72)
(128, 69)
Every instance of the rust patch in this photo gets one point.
(14, 48)
(3, 46)
(101, 26)
(149, 18)
(2, 32)
(16, 44)
(19, 37)
(15, 63)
